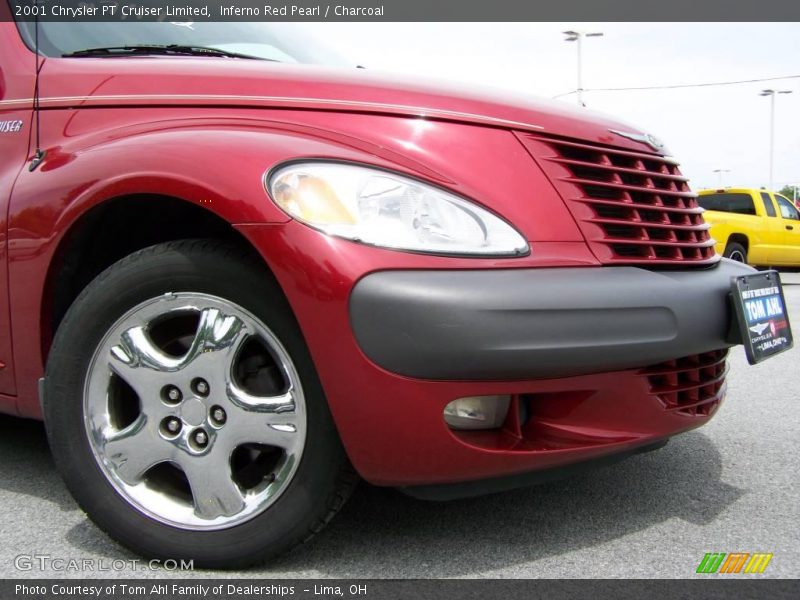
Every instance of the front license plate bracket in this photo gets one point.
(761, 313)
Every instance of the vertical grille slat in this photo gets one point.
(632, 207)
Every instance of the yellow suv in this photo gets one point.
(753, 226)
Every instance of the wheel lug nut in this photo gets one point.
(201, 387)
(201, 438)
(172, 425)
(218, 415)
(172, 394)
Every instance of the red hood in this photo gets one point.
(231, 82)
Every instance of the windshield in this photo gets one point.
(282, 42)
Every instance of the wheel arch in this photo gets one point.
(110, 230)
(738, 238)
(205, 184)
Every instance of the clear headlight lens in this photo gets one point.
(385, 209)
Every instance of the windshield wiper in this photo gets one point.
(171, 49)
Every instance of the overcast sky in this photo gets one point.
(706, 128)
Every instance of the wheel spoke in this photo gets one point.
(282, 403)
(279, 430)
(215, 332)
(271, 420)
(136, 350)
(136, 449)
(140, 363)
(213, 489)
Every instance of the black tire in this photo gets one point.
(323, 480)
(735, 251)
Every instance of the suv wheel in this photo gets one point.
(736, 251)
(181, 405)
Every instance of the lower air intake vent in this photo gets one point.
(692, 386)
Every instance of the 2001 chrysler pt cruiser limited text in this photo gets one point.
(239, 280)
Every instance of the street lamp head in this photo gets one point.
(595, 34)
(784, 91)
(766, 92)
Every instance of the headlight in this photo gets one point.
(385, 209)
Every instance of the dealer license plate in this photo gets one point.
(762, 316)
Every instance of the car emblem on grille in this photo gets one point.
(644, 138)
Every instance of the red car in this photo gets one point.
(238, 281)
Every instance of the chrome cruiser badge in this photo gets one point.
(645, 138)
(10, 126)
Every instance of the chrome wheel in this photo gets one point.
(194, 411)
(737, 256)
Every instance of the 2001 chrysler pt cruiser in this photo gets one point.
(238, 280)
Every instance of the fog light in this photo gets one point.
(477, 412)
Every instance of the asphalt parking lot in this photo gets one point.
(730, 486)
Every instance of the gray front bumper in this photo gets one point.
(539, 323)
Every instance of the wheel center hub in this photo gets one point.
(193, 412)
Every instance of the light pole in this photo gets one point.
(772, 94)
(720, 173)
(577, 36)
